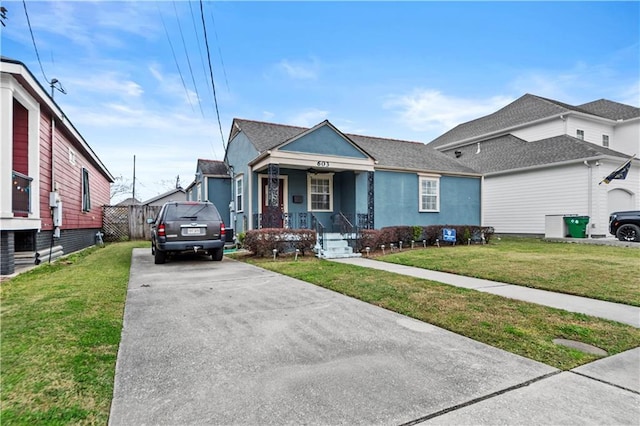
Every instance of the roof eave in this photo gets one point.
(14, 67)
(415, 170)
(552, 165)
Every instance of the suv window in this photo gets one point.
(204, 212)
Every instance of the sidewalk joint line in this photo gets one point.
(604, 381)
(480, 399)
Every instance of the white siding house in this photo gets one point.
(541, 157)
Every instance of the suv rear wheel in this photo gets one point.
(159, 257)
(628, 232)
(216, 254)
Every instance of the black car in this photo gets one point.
(187, 226)
(625, 225)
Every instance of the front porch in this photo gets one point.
(337, 238)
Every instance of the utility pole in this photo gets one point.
(134, 177)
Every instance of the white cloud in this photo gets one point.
(630, 95)
(300, 70)
(583, 82)
(430, 110)
(267, 115)
(308, 118)
(110, 84)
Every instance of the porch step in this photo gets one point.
(336, 247)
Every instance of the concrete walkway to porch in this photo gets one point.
(613, 311)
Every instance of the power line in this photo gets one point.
(195, 30)
(175, 59)
(33, 39)
(224, 71)
(184, 44)
(213, 84)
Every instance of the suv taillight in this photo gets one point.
(222, 231)
(161, 232)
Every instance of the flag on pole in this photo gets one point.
(619, 173)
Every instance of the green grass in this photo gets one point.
(61, 326)
(518, 327)
(598, 272)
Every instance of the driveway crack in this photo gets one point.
(480, 399)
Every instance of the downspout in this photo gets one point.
(589, 196)
(482, 201)
(249, 211)
(53, 182)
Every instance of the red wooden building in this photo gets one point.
(52, 184)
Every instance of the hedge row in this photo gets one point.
(420, 235)
(261, 242)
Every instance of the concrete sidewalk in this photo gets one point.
(613, 311)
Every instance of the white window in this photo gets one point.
(320, 192)
(86, 197)
(605, 141)
(72, 156)
(199, 192)
(239, 192)
(429, 193)
(580, 134)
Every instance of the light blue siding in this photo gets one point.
(397, 201)
(324, 140)
(220, 194)
(239, 154)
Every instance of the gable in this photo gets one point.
(323, 140)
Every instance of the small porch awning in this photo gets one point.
(317, 162)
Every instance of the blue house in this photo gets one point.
(213, 183)
(321, 178)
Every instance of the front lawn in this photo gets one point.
(598, 272)
(61, 326)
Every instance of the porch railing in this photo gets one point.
(20, 193)
(320, 230)
(304, 220)
(349, 225)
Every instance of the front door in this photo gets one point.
(272, 216)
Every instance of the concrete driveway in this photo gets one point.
(228, 343)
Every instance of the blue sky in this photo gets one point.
(404, 70)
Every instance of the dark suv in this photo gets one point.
(625, 225)
(187, 226)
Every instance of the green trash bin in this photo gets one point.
(577, 226)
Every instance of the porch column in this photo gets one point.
(273, 216)
(370, 200)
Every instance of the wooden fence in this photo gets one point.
(122, 223)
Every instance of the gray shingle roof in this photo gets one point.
(611, 110)
(408, 155)
(264, 135)
(526, 109)
(212, 167)
(388, 152)
(511, 153)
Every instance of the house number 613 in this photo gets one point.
(323, 164)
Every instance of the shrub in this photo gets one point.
(369, 238)
(430, 234)
(261, 242)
